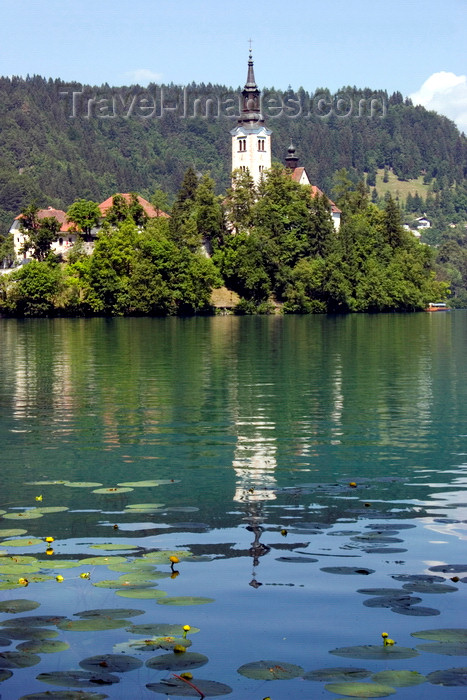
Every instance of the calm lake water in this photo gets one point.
(290, 462)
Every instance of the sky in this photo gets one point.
(416, 47)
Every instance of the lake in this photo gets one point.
(307, 472)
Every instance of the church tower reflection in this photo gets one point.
(254, 464)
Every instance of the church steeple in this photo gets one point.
(251, 140)
(251, 107)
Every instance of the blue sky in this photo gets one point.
(415, 46)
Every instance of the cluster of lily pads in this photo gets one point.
(138, 579)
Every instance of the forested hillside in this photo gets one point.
(60, 142)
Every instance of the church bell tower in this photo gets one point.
(251, 140)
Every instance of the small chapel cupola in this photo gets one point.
(251, 140)
(291, 160)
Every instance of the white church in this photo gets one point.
(251, 143)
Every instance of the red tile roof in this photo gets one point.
(57, 213)
(150, 211)
(296, 177)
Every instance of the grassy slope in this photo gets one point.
(400, 188)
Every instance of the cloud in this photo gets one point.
(445, 93)
(142, 76)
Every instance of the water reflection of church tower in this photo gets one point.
(254, 464)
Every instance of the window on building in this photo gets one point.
(60, 241)
(242, 144)
(261, 145)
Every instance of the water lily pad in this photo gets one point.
(45, 482)
(382, 591)
(399, 679)
(159, 630)
(390, 526)
(347, 570)
(448, 568)
(18, 659)
(23, 515)
(418, 578)
(185, 600)
(33, 621)
(163, 557)
(135, 564)
(91, 624)
(112, 489)
(455, 635)
(30, 632)
(181, 689)
(164, 642)
(361, 690)
(78, 679)
(140, 593)
(144, 506)
(340, 673)
(422, 587)
(17, 559)
(384, 550)
(450, 677)
(146, 483)
(113, 546)
(177, 662)
(114, 613)
(375, 651)
(399, 600)
(5, 674)
(12, 532)
(51, 509)
(18, 570)
(117, 663)
(270, 670)
(98, 561)
(64, 695)
(18, 605)
(5, 642)
(297, 560)
(82, 484)
(25, 542)
(122, 583)
(56, 564)
(415, 610)
(445, 648)
(43, 646)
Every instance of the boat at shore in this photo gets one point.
(438, 306)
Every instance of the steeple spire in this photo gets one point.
(251, 107)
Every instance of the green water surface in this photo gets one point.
(280, 445)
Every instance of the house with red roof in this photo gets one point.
(68, 234)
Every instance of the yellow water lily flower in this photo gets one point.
(186, 675)
(186, 628)
(59, 578)
(352, 484)
(23, 581)
(389, 642)
(39, 498)
(174, 559)
(384, 635)
(85, 574)
(49, 551)
(49, 539)
(179, 649)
